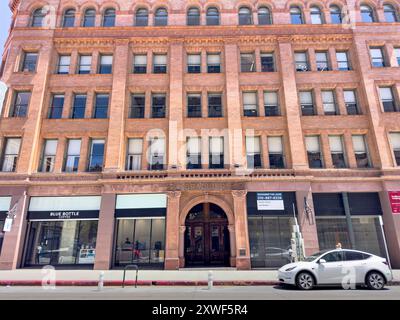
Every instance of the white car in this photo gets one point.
(337, 267)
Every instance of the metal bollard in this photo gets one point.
(210, 280)
(101, 281)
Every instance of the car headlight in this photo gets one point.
(290, 269)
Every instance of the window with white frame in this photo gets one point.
(10, 154)
(377, 57)
(193, 153)
(314, 152)
(96, 155)
(322, 61)
(64, 62)
(328, 102)
(275, 152)
(156, 153)
(140, 63)
(306, 103)
(301, 61)
(361, 151)
(48, 155)
(316, 15)
(194, 63)
(350, 100)
(73, 155)
(106, 63)
(253, 152)
(394, 138)
(213, 62)
(337, 151)
(247, 62)
(271, 103)
(134, 154)
(250, 105)
(85, 64)
(387, 99)
(342, 59)
(216, 153)
(160, 63)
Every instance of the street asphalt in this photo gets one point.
(195, 293)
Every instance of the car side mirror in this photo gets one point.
(322, 261)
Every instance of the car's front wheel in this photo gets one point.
(375, 280)
(305, 281)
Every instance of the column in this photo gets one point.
(232, 242)
(182, 230)
(172, 244)
(241, 228)
(115, 139)
(105, 232)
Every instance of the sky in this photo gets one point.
(5, 16)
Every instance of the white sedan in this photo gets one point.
(337, 267)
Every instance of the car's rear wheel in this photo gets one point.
(305, 281)
(375, 280)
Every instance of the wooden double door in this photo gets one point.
(207, 237)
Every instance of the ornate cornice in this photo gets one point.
(65, 43)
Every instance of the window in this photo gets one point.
(85, 64)
(394, 138)
(337, 152)
(56, 107)
(29, 62)
(322, 61)
(38, 17)
(314, 152)
(158, 107)
(69, 18)
(390, 13)
(96, 155)
(160, 63)
(250, 105)
(63, 64)
(213, 63)
(333, 256)
(267, 62)
(140, 63)
(101, 106)
(360, 151)
(253, 152)
(247, 62)
(142, 17)
(387, 99)
(350, 100)
(328, 102)
(161, 17)
(193, 17)
(307, 103)
(336, 15)
(89, 18)
(377, 58)
(194, 105)
(10, 155)
(20, 105)
(212, 16)
(157, 153)
(216, 145)
(296, 16)
(316, 15)
(353, 256)
(73, 155)
(275, 152)
(137, 106)
(79, 106)
(109, 18)
(214, 105)
(245, 16)
(367, 14)
(134, 156)
(194, 63)
(301, 60)
(342, 60)
(48, 156)
(193, 153)
(264, 16)
(271, 103)
(106, 63)
(397, 53)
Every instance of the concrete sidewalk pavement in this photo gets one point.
(189, 277)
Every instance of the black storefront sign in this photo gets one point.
(289, 199)
(140, 213)
(63, 215)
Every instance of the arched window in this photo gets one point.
(296, 16)
(316, 15)
(245, 16)
(367, 14)
(37, 17)
(142, 17)
(390, 13)
(193, 17)
(109, 18)
(336, 15)
(161, 17)
(264, 16)
(69, 18)
(212, 16)
(89, 18)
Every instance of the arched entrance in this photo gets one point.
(207, 236)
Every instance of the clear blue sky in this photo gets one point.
(5, 16)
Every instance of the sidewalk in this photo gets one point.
(183, 277)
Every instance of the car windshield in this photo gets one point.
(315, 255)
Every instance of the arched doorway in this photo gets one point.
(206, 236)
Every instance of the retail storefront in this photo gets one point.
(140, 230)
(4, 207)
(62, 231)
(270, 221)
(352, 219)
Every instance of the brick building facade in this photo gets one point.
(188, 133)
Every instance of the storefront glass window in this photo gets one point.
(332, 231)
(1, 234)
(62, 242)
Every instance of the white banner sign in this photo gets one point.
(7, 225)
(270, 201)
